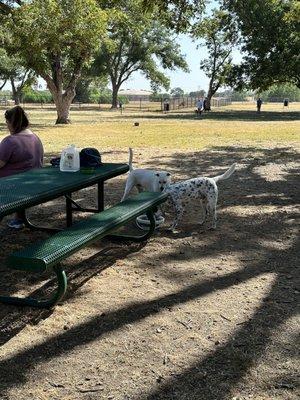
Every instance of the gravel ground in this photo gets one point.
(194, 315)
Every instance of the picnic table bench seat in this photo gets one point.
(46, 254)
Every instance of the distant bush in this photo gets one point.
(238, 96)
(234, 95)
(37, 96)
(198, 93)
(280, 92)
(104, 98)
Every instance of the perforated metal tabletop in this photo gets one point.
(37, 186)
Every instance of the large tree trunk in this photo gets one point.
(62, 99)
(63, 104)
(115, 91)
(17, 99)
(15, 92)
(208, 101)
(213, 88)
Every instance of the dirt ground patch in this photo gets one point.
(189, 316)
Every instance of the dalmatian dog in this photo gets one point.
(145, 179)
(202, 188)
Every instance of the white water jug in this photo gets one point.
(69, 160)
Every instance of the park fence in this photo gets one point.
(175, 103)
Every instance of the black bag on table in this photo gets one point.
(55, 161)
(90, 157)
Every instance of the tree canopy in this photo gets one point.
(280, 92)
(219, 37)
(57, 38)
(270, 40)
(137, 42)
(178, 14)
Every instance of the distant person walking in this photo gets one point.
(199, 106)
(258, 104)
(166, 105)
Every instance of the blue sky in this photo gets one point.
(191, 81)
(195, 79)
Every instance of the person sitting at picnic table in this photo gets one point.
(20, 151)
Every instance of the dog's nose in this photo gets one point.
(161, 188)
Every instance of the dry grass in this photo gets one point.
(234, 124)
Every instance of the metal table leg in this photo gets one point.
(100, 196)
(137, 238)
(31, 302)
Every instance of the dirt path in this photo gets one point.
(190, 316)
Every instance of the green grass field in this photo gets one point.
(231, 125)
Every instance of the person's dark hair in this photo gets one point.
(17, 118)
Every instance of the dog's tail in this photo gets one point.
(130, 159)
(226, 175)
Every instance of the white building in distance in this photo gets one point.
(135, 95)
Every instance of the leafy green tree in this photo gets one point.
(36, 96)
(57, 38)
(4, 68)
(280, 92)
(219, 37)
(234, 94)
(177, 14)
(20, 81)
(137, 42)
(177, 92)
(270, 32)
(88, 88)
(20, 78)
(155, 96)
(198, 93)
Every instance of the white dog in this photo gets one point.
(145, 179)
(204, 189)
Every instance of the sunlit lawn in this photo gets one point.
(234, 124)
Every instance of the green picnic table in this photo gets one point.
(22, 191)
(27, 189)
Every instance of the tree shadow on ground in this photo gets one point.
(14, 319)
(214, 376)
(211, 378)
